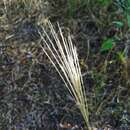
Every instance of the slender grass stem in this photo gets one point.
(63, 55)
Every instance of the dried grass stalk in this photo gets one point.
(63, 55)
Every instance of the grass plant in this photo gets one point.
(27, 4)
(63, 55)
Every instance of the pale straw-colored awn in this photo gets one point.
(63, 55)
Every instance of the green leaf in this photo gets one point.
(107, 45)
(128, 3)
(128, 20)
(118, 24)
